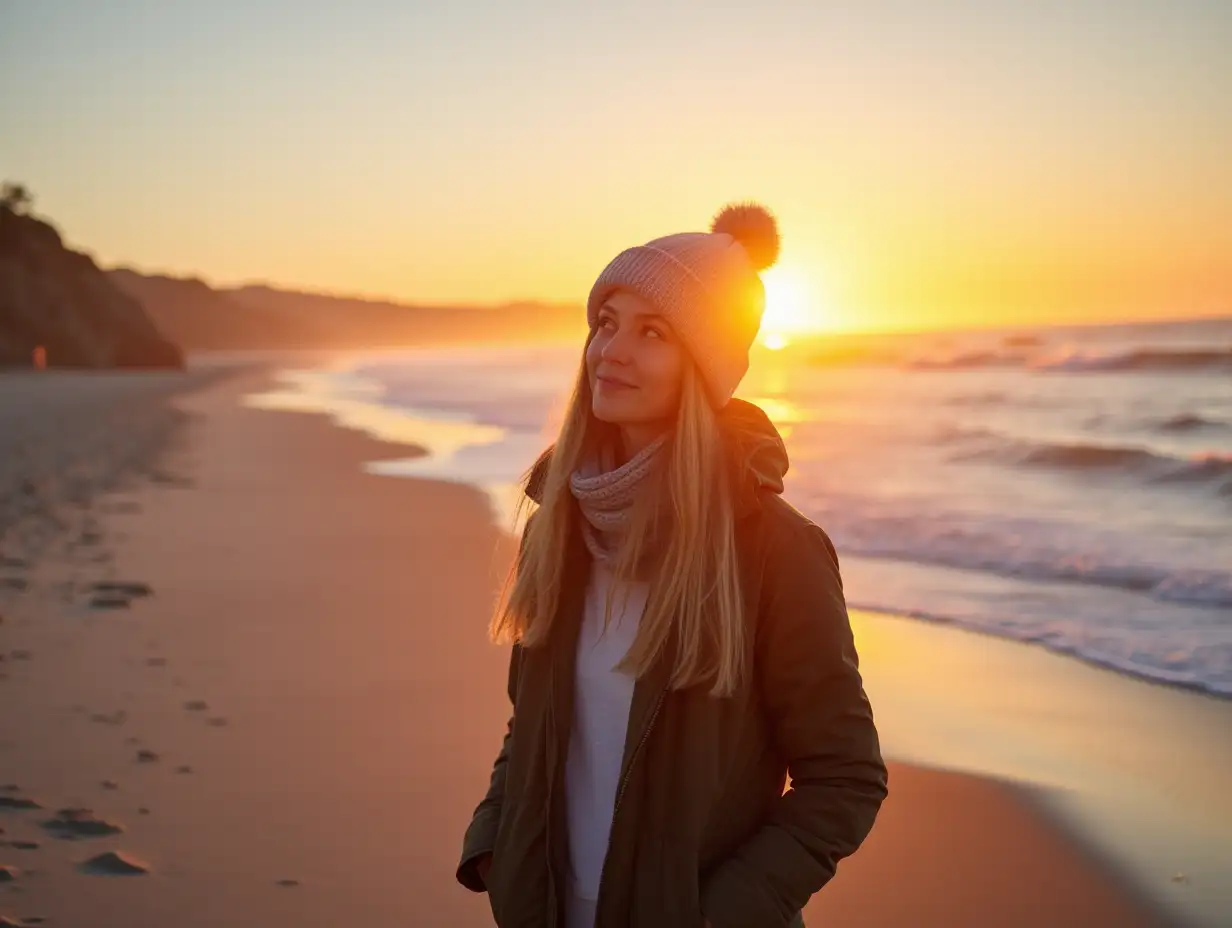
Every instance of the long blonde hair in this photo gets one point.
(685, 509)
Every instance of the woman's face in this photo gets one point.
(635, 363)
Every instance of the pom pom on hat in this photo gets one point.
(753, 226)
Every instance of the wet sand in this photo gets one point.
(293, 711)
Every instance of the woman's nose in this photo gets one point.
(618, 347)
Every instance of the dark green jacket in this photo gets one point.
(702, 825)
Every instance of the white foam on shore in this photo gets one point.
(449, 447)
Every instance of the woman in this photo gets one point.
(680, 639)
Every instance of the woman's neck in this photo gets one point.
(635, 438)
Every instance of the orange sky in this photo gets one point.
(971, 164)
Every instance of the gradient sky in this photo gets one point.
(930, 163)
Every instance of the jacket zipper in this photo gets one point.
(624, 781)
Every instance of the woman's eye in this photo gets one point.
(606, 323)
(654, 332)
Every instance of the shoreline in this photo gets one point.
(301, 566)
(454, 449)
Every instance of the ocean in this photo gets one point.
(1066, 486)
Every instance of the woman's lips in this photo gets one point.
(611, 383)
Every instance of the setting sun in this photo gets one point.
(792, 308)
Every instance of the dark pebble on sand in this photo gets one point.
(143, 811)
(156, 662)
(218, 722)
(80, 823)
(196, 705)
(183, 768)
(110, 784)
(20, 655)
(146, 757)
(288, 883)
(114, 863)
(110, 718)
(24, 845)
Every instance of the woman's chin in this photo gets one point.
(613, 412)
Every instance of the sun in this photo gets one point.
(792, 308)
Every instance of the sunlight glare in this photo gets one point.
(791, 307)
(775, 341)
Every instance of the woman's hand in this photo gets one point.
(483, 865)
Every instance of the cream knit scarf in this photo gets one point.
(605, 495)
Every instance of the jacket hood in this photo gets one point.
(759, 456)
(757, 453)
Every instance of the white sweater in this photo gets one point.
(602, 697)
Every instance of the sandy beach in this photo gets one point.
(281, 706)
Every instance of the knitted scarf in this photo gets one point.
(605, 495)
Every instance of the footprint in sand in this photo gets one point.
(18, 802)
(99, 601)
(111, 595)
(80, 823)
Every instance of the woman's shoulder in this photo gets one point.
(787, 534)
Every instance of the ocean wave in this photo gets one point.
(970, 360)
(1083, 456)
(1203, 467)
(977, 551)
(1191, 422)
(1143, 359)
(983, 398)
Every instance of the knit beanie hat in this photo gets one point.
(706, 285)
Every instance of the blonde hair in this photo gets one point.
(685, 509)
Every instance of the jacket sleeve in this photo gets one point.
(480, 836)
(808, 674)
